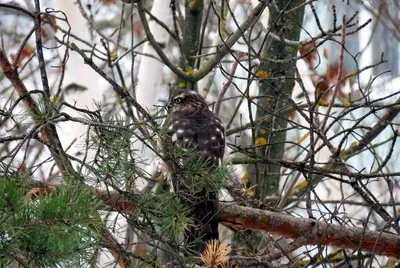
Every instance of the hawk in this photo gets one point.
(194, 144)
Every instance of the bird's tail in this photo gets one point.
(205, 227)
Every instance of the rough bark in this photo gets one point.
(305, 231)
(276, 73)
(311, 232)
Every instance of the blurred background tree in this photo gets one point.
(307, 91)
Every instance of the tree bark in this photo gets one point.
(276, 73)
(308, 231)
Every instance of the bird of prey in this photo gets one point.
(194, 143)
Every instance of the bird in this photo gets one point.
(194, 145)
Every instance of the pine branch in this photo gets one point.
(309, 231)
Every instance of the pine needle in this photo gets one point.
(214, 254)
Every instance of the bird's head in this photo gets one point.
(186, 100)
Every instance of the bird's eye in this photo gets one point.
(178, 100)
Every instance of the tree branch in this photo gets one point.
(309, 231)
(124, 94)
(314, 232)
(222, 51)
(48, 131)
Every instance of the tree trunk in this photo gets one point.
(276, 73)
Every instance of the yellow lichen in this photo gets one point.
(301, 185)
(262, 74)
(351, 74)
(343, 154)
(354, 143)
(346, 104)
(189, 71)
(182, 84)
(114, 55)
(261, 141)
(322, 102)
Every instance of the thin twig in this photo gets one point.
(222, 51)
(339, 75)
(39, 48)
(117, 88)
(286, 193)
(49, 134)
(228, 83)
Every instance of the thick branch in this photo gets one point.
(313, 232)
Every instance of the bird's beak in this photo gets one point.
(169, 106)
